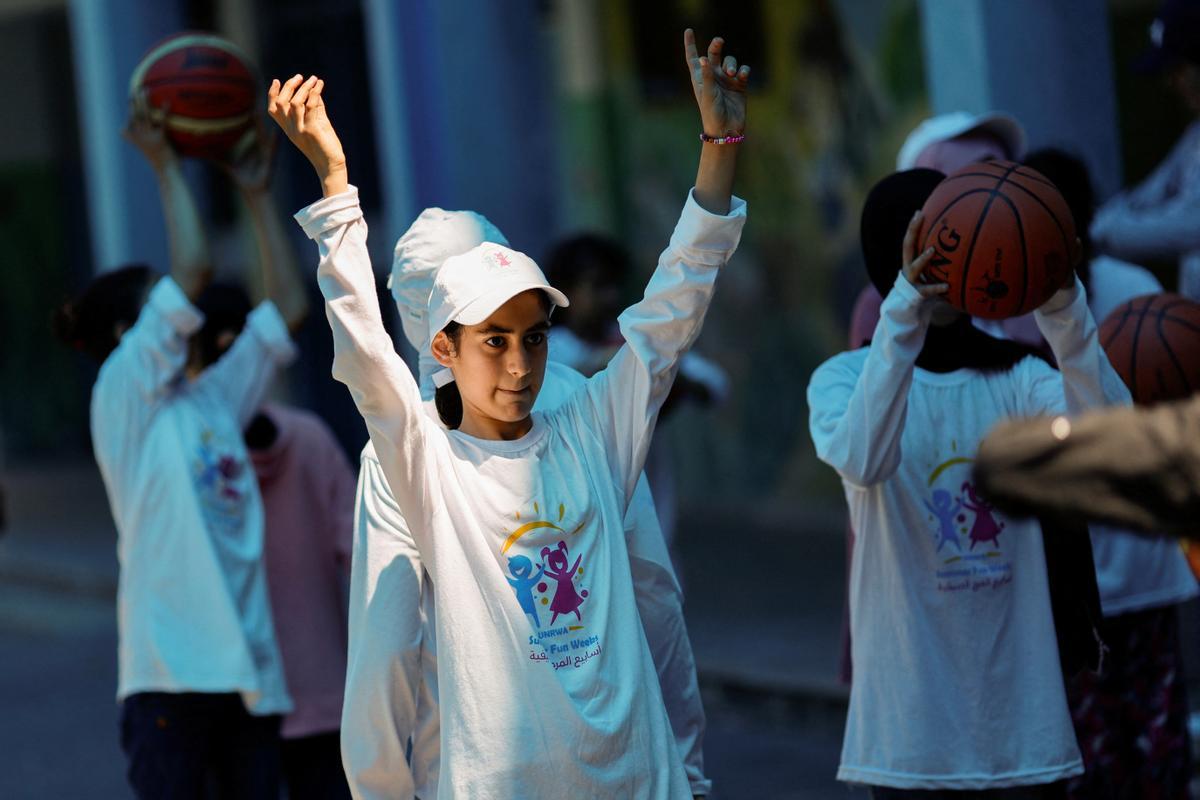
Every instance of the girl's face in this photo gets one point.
(498, 366)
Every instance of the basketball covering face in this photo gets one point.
(1003, 239)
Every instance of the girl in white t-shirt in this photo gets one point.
(391, 686)
(958, 684)
(572, 706)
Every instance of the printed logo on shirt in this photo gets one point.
(219, 476)
(965, 531)
(549, 577)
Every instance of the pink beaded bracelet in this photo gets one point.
(704, 137)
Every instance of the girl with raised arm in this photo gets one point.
(574, 707)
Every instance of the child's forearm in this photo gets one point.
(191, 264)
(714, 176)
(1088, 379)
(281, 278)
(857, 419)
(334, 180)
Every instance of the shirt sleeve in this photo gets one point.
(1156, 219)
(622, 400)
(857, 415)
(149, 358)
(383, 674)
(1085, 378)
(660, 606)
(1131, 467)
(244, 373)
(364, 358)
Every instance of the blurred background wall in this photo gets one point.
(554, 116)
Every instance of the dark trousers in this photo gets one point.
(312, 768)
(192, 746)
(1045, 791)
(1131, 720)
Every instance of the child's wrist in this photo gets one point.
(334, 181)
(724, 138)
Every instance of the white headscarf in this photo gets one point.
(434, 236)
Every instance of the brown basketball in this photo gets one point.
(1003, 237)
(207, 87)
(1153, 342)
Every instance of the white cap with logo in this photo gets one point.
(468, 288)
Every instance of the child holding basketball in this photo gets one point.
(201, 680)
(572, 707)
(958, 684)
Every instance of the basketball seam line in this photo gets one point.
(1062, 232)
(958, 175)
(1137, 334)
(1166, 343)
(995, 190)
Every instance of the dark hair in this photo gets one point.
(447, 399)
(587, 251)
(225, 307)
(887, 211)
(1070, 174)
(88, 323)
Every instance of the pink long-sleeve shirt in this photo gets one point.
(307, 489)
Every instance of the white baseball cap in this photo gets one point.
(957, 123)
(468, 288)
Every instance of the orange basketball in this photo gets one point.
(1002, 236)
(207, 86)
(1153, 342)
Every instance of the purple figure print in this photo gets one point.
(566, 599)
(944, 512)
(985, 529)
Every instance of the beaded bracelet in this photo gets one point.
(735, 139)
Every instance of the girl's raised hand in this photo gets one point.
(720, 87)
(298, 108)
(912, 265)
(146, 130)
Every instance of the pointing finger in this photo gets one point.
(689, 47)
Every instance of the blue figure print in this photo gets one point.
(945, 512)
(522, 584)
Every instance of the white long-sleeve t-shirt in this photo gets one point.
(546, 684)
(193, 612)
(391, 690)
(1134, 572)
(1160, 217)
(957, 681)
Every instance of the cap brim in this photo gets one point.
(486, 304)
